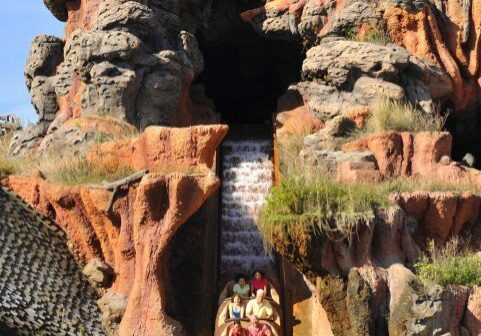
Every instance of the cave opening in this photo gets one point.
(464, 127)
(245, 73)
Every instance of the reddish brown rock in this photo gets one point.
(416, 154)
(299, 120)
(133, 238)
(472, 315)
(441, 215)
(162, 149)
(454, 42)
(388, 149)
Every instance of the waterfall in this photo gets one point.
(246, 179)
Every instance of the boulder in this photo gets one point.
(112, 306)
(99, 273)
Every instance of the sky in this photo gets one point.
(20, 22)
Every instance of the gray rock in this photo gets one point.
(327, 161)
(10, 122)
(112, 90)
(359, 304)
(373, 88)
(327, 102)
(311, 21)
(46, 53)
(130, 16)
(468, 160)
(99, 273)
(413, 6)
(86, 48)
(28, 138)
(158, 98)
(341, 62)
(339, 126)
(328, 138)
(112, 305)
(69, 136)
(353, 16)
(131, 64)
(58, 8)
(418, 310)
(44, 98)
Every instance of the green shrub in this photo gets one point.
(449, 265)
(376, 35)
(388, 115)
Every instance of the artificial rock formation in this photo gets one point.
(131, 60)
(443, 33)
(363, 282)
(424, 154)
(133, 238)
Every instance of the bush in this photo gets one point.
(449, 265)
(388, 115)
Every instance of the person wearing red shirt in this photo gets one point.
(258, 329)
(237, 329)
(259, 282)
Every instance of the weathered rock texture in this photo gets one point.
(442, 33)
(364, 284)
(42, 289)
(131, 60)
(133, 239)
(424, 154)
(162, 149)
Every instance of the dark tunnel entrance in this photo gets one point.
(245, 73)
(464, 128)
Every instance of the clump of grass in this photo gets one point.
(451, 264)
(376, 35)
(8, 166)
(289, 149)
(80, 171)
(300, 205)
(389, 115)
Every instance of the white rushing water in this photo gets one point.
(246, 179)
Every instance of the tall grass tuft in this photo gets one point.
(8, 166)
(451, 264)
(388, 115)
(80, 171)
(289, 149)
